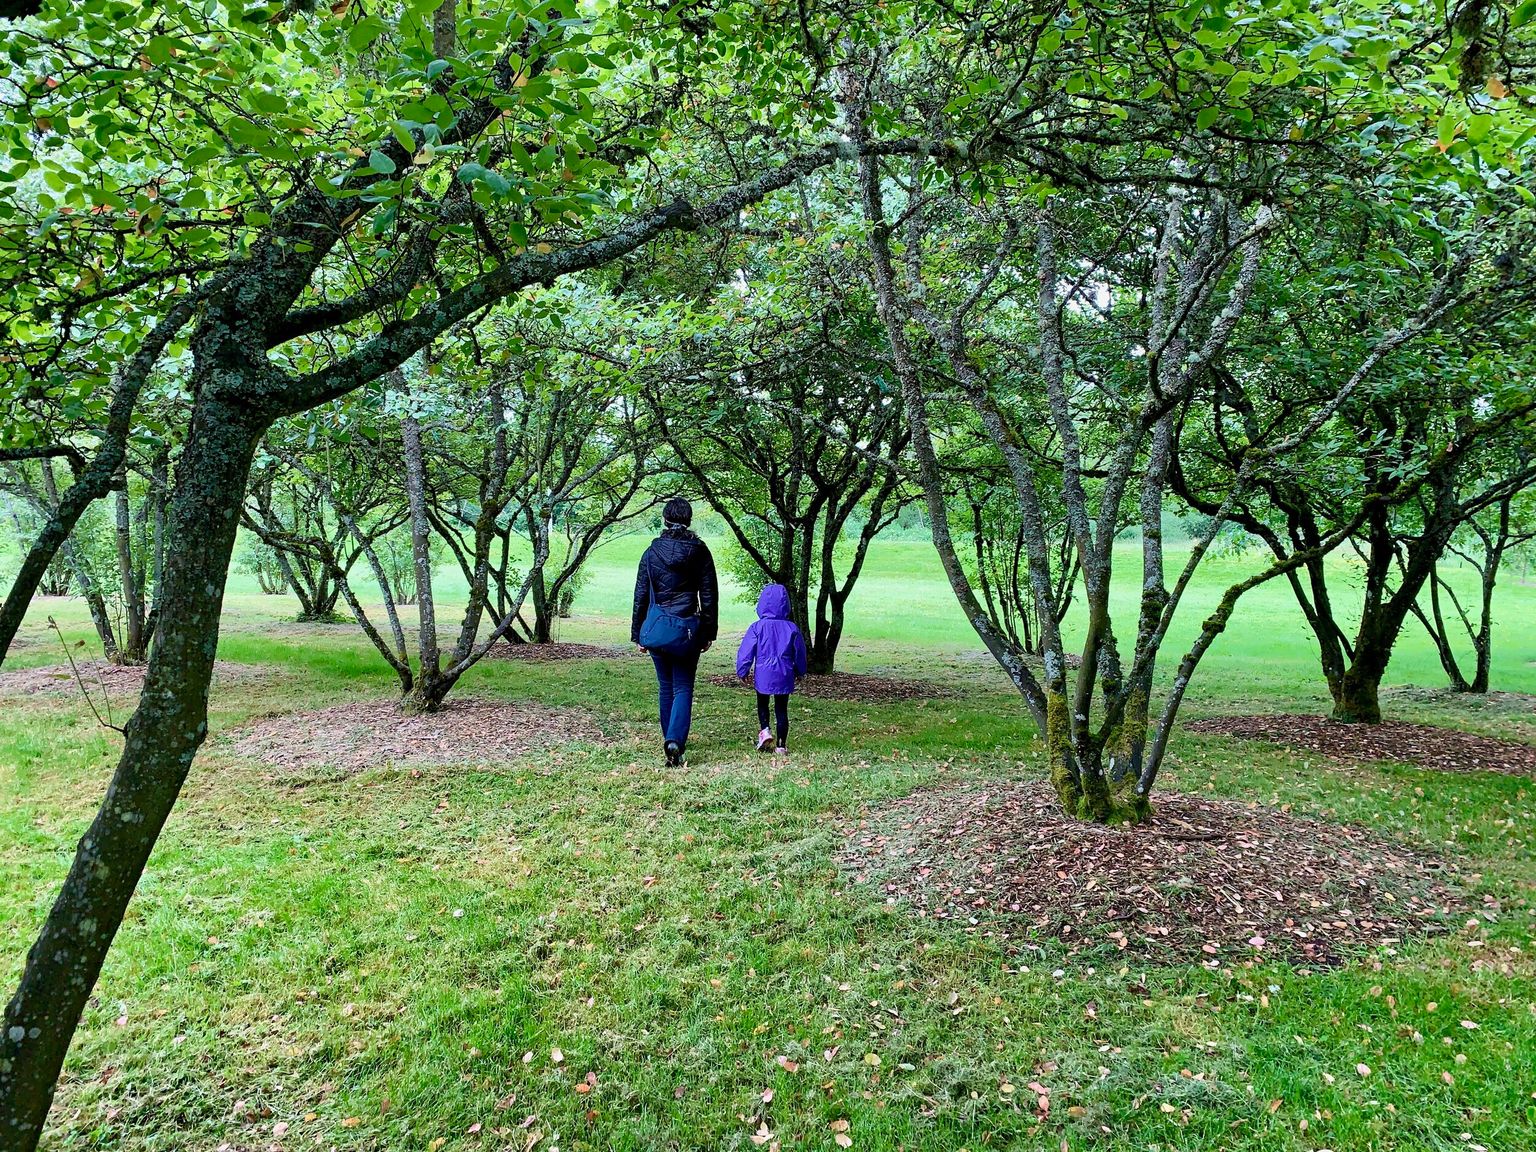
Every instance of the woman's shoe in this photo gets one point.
(674, 752)
(764, 738)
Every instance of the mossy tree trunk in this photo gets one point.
(159, 743)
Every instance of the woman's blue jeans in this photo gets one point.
(674, 681)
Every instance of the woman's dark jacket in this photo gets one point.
(681, 570)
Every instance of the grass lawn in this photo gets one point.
(588, 950)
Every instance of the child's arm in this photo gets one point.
(746, 655)
(801, 660)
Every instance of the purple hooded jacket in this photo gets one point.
(773, 645)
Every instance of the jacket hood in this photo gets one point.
(773, 604)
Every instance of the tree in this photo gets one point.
(1172, 233)
(113, 563)
(1482, 544)
(289, 509)
(352, 196)
(1407, 460)
(797, 448)
(579, 449)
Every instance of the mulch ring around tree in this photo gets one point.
(1443, 749)
(855, 688)
(117, 679)
(556, 651)
(374, 733)
(1205, 879)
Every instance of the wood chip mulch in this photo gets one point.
(1443, 749)
(854, 688)
(557, 651)
(118, 679)
(1411, 694)
(1205, 879)
(365, 735)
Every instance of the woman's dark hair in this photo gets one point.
(678, 512)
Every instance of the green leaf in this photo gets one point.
(479, 174)
(1447, 130)
(1207, 117)
(381, 163)
(266, 101)
(364, 33)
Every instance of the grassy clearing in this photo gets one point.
(367, 961)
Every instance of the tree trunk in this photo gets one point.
(821, 657)
(160, 741)
(1356, 697)
(132, 651)
(159, 486)
(425, 696)
(76, 565)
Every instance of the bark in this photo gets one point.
(160, 480)
(427, 694)
(445, 29)
(132, 651)
(84, 581)
(159, 744)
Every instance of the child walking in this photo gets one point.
(773, 647)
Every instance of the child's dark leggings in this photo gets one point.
(780, 716)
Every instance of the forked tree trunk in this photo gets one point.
(160, 741)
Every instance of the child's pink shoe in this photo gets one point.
(781, 751)
(764, 738)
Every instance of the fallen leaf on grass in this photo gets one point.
(351, 1121)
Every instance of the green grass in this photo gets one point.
(368, 960)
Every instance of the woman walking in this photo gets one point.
(676, 617)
